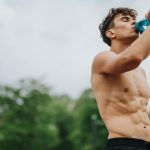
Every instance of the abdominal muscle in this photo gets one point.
(122, 102)
(130, 124)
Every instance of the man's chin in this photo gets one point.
(135, 36)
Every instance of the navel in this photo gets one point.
(126, 90)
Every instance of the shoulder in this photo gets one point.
(101, 58)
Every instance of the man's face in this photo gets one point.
(124, 27)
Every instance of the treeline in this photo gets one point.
(32, 118)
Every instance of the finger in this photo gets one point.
(146, 15)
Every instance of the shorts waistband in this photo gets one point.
(127, 141)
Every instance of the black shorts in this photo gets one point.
(126, 144)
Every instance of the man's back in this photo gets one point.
(122, 101)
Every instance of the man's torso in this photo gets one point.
(122, 101)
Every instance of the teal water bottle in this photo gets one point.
(142, 25)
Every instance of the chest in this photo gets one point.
(134, 83)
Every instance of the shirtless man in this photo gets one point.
(119, 84)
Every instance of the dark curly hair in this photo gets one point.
(108, 22)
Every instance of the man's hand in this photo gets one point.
(147, 15)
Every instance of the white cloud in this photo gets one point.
(54, 38)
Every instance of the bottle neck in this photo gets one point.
(142, 25)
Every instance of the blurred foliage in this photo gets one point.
(32, 118)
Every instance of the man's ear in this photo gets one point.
(110, 33)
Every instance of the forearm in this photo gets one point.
(140, 47)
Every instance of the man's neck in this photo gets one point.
(118, 47)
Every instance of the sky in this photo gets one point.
(55, 40)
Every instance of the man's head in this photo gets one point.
(109, 23)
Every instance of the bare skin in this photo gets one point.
(119, 84)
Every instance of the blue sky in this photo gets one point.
(55, 40)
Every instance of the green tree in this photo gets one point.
(82, 134)
(24, 123)
(62, 111)
(32, 118)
